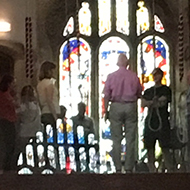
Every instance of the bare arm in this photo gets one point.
(146, 103)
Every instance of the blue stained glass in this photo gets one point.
(70, 137)
(81, 140)
(70, 47)
(106, 134)
(143, 66)
(80, 134)
(50, 140)
(159, 47)
(120, 51)
(60, 138)
(105, 54)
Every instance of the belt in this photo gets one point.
(125, 102)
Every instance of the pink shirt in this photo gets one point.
(122, 86)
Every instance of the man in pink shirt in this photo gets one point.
(122, 89)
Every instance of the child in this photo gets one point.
(29, 118)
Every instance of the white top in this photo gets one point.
(41, 90)
(29, 119)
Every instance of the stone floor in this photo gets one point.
(179, 181)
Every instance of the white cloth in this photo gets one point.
(42, 85)
(29, 117)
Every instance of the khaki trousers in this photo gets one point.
(123, 115)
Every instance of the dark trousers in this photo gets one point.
(46, 119)
(7, 144)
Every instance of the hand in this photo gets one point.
(162, 99)
(155, 102)
(106, 117)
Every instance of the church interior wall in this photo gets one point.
(49, 18)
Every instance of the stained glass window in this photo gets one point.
(146, 63)
(142, 18)
(75, 86)
(75, 75)
(85, 19)
(108, 55)
(69, 27)
(122, 22)
(104, 8)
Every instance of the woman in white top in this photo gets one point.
(48, 97)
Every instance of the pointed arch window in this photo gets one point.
(108, 55)
(74, 74)
(148, 59)
(104, 8)
(69, 28)
(122, 19)
(85, 19)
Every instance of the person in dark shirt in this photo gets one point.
(82, 120)
(157, 125)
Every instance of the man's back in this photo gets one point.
(122, 86)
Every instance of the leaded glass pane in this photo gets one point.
(69, 28)
(122, 22)
(158, 26)
(142, 18)
(85, 19)
(51, 156)
(104, 8)
(30, 155)
(40, 154)
(62, 157)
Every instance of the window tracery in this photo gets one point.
(75, 79)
